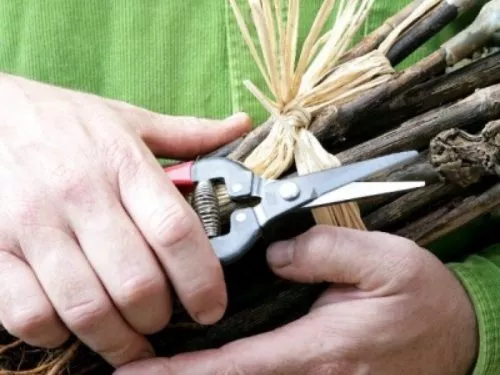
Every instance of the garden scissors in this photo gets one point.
(283, 196)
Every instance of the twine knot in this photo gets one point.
(297, 117)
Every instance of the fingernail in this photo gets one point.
(212, 315)
(238, 117)
(280, 254)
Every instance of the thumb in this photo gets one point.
(366, 260)
(187, 137)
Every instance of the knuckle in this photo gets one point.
(315, 246)
(139, 289)
(26, 211)
(64, 183)
(405, 260)
(171, 226)
(116, 149)
(321, 237)
(73, 188)
(85, 316)
(124, 157)
(410, 269)
(29, 324)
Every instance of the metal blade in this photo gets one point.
(357, 190)
(282, 196)
(332, 179)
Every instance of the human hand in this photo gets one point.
(393, 309)
(93, 234)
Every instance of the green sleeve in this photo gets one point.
(480, 276)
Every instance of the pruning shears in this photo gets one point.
(280, 197)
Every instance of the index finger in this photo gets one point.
(176, 235)
(275, 352)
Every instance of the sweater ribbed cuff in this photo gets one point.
(480, 276)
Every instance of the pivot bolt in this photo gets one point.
(289, 191)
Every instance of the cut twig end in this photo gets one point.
(463, 158)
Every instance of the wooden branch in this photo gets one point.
(373, 40)
(476, 35)
(433, 93)
(480, 107)
(426, 27)
(448, 218)
(225, 150)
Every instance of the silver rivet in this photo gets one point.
(237, 188)
(289, 191)
(241, 217)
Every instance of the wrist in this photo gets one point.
(479, 276)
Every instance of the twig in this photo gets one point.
(446, 219)
(433, 93)
(480, 107)
(428, 26)
(373, 40)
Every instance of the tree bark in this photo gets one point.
(480, 107)
(426, 27)
(428, 95)
(372, 41)
(452, 216)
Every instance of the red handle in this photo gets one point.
(180, 175)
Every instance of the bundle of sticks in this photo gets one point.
(333, 105)
(430, 106)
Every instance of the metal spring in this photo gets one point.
(205, 204)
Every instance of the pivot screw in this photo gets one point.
(289, 191)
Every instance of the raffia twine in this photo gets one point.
(301, 92)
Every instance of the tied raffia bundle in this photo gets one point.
(388, 107)
(304, 83)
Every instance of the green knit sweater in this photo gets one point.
(187, 57)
